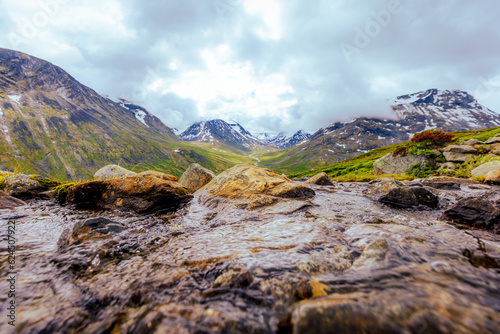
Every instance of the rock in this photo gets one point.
(142, 194)
(286, 177)
(196, 177)
(112, 172)
(159, 175)
(457, 157)
(446, 182)
(320, 179)
(448, 165)
(251, 187)
(474, 212)
(493, 177)
(95, 228)
(21, 186)
(484, 169)
(397, 194)
(464, 149)
(9, 202)
(373, 252)
(410, 197)
(388, 164)
(493, 140)
(48, 195)
(495, 152)
(472, 142)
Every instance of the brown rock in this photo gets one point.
(320, 179)
(251, 187)
(22, 186)
(139, 193)
(484, 169)
(9, 202)
(196, 177)
(159, 175)
(493, 177)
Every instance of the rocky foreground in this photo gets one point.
(250, 251)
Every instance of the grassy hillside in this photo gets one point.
(360, 168)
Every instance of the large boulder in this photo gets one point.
(394, 193)
(110, 172)
(142, 194)
(389, 164)
(251, 187)
(22, 186)
(196, 177)
(484, 169)
(9, 202)
(474, 212)
(464, 149)
(320, 179)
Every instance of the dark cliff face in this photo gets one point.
(54, 125)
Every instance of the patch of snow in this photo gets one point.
(140, 114)
(15, 98)
(177, 151)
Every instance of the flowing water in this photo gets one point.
(339, 262)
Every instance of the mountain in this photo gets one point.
(53, 125)
(431, 109)
(221, 134)
(282, 141)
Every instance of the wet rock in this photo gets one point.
(457, 157)
(196, 177)
(388, 164)
(464, 149)
(22, 186)
(159, 175)
(484, 169)
(112, 172)
(472, 142)
(9, 202)
(446, 182)
(373, 252)
(95, 228)
(251, 187)
(474, 212)
(142, 194)
(410, 197)
(48, 195)
(320, 179)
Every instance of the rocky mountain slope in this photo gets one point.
(432, 109)
(54, 126)
(220, 133)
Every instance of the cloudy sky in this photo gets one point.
(271, 65)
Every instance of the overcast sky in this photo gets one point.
(271, 65)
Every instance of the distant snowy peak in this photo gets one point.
(219, 131)
(281, 140)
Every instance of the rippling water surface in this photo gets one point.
(336, 263)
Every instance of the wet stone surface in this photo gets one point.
(339, 262)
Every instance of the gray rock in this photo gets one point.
(493, 140)
(21, 186)
(9, 202)
(472, 142)
(112, 172)
(464, 149)
(196, 177)
(486, 168)
(457, 157)
(495, 152)
(410, 197)
(448, 165)
(388, 164)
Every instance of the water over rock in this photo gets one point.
(196, 177)
(251, 187)
(474, 212)
(139, 193)
(110, 172)
(397, 194)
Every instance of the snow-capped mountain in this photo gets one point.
(281, 140)
(432, 109)
(223, 133)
